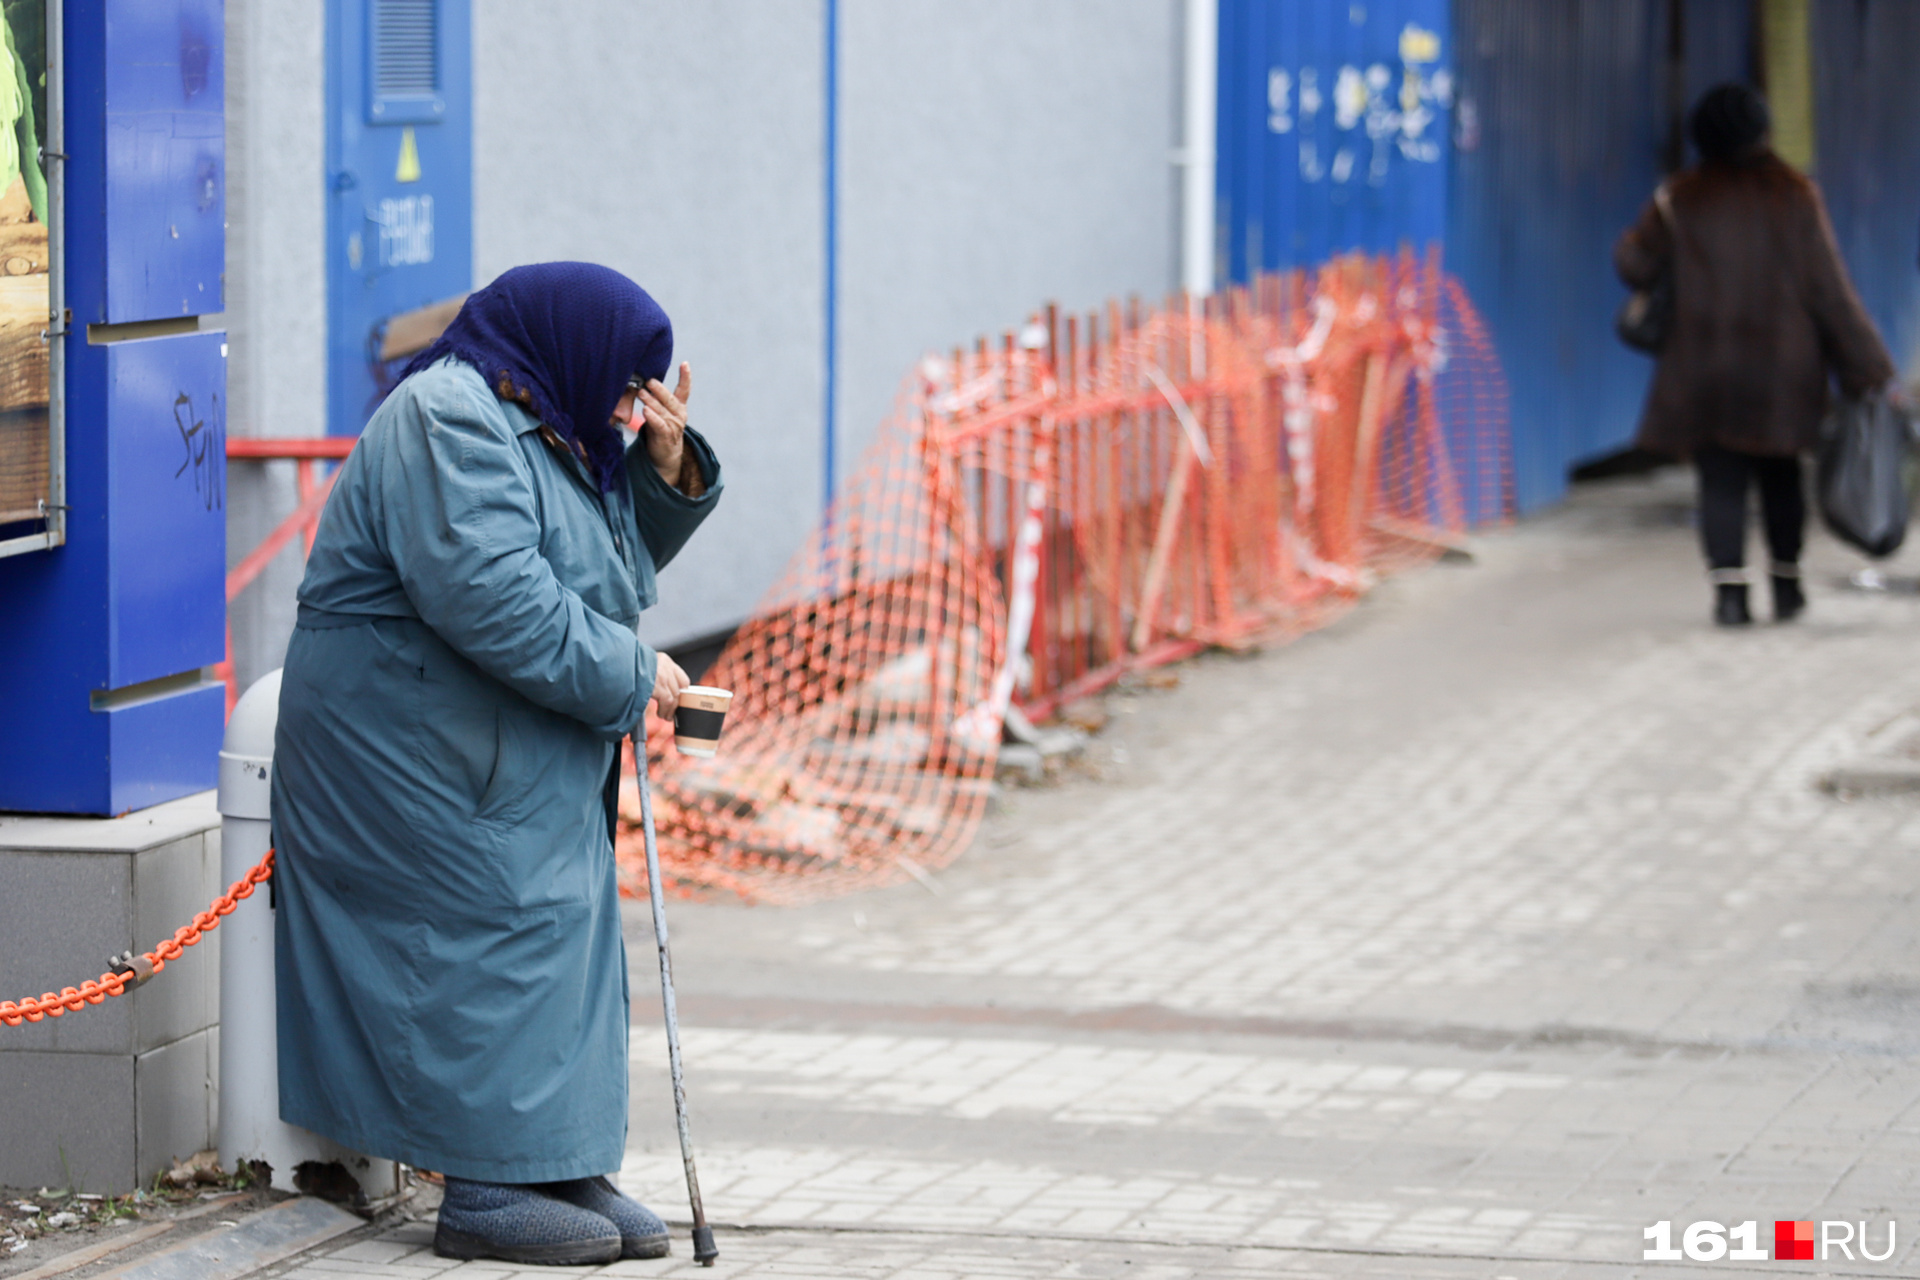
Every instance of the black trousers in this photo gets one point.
(1724, 477)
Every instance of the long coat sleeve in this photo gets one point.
(452, 981)
(465, 545)
(1763, 315)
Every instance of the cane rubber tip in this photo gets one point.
(704, 1251)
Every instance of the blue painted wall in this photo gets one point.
(1555, 122)
(1561, 124)
(1867, 159)
(1562, 128)
(165, 239)
(138, 591)
(1333, 125)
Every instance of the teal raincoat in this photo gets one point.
(452, 980)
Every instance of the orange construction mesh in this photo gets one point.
(1038, 518)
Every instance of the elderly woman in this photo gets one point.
(1763, 312)
(452, 980)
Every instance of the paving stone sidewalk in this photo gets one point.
(1470, 937)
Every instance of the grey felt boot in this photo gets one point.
(518, 1224)
(642, 1234)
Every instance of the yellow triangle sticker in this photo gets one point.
(408, 170)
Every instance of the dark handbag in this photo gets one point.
(1862, 474)
(1647, 315)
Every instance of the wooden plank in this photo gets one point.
(23, 352)
(23, 464)
(1171, 512)
(411, 332)
(23, 251)
(73, 1261)
(24, 302)
(260, 1240)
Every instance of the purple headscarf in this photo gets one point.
(570, 335)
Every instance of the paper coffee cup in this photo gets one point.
(696, 724)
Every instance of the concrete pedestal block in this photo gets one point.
(103, 1098)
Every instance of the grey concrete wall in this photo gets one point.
(102, 1098)
(276, 289)
(993, 155)
(679, 143)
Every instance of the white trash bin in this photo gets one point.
(250, 1124)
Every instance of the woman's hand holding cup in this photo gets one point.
(669, 682)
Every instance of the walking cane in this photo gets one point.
(704, 1251)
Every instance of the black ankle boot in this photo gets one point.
(1788, 600)
(1730, 604)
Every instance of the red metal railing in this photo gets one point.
(305, 519)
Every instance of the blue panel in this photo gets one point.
(1333, 121)
(55, 759)
(86, 246)
(1717, 39)
(112, 762)
(53, 650)
(1562, 120)
(164, 749)
(1868, 156)
(166, 403)
(136, 593)
(53, 647)
(165, 158)
(137, 590)
(396, 239)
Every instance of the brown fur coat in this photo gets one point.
(1763, 311)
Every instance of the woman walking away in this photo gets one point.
(1762, 312)
(453, 985)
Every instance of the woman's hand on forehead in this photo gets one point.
(664, 423)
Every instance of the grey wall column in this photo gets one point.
(276, 309)
(994, 156)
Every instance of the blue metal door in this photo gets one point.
(1333, 128)
(1565, 119)
(400, 181)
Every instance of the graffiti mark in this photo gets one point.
(1394, 120)
(1279, 105)
(406, 231)
(1349, 97)
(203, 443)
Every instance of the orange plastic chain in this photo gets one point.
(54, 1005)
